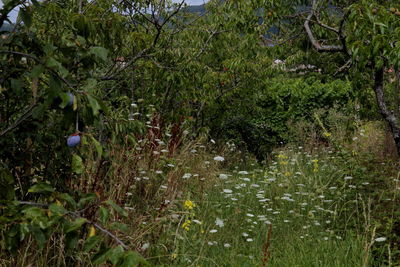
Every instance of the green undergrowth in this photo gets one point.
(329, 207)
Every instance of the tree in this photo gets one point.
(367, 34)
(356, 39)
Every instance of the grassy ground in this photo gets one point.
(326, 203)
(320, 208)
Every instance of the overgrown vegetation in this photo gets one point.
(136, 133)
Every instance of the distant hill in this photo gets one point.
(195, 9)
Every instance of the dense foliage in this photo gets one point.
(94, 95)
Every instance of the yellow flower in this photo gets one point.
(287, 174)
(92, 231)
(283, 162)
(281, 156)
(186, 225)
(189, 205)
(326, 134)
(315, 161)
(173, 256)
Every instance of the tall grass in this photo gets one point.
(325, 204)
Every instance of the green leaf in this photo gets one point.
(57, 66)
(39, 235)
(104, 214)
(41, 188)
(64, 99)
(94, 105)
(116, 254)
(102, 256)
(131, 259)
(36, 71)
(88, 198)
(77, 164)
(33, 212)
(57, 209)
(99, 52)
(91, 242)
(98, 146)
(67, 198)
(71, 241)
(26, 17)
(119, 226)
(117, 208)
(75, 225)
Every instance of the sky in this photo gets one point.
(14, 13)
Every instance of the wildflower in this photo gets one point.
(219, 222)
(186, 225)
(197, 221)
(283, 162)
(243, 172)
(245, 234)
(173, 256)
(326, 134)
(219, 158)
(226, 245)
(223, 176)
(249, 239)
(227, 191)
(287, 174)
(187, 176)
(347, 178)
(145, 246)
(213, 231)
(189, 205)
(380, 239)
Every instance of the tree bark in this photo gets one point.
(388, 115)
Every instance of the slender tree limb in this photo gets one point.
(317, 21)
(384, 109)
(317, 45)
(28, 112)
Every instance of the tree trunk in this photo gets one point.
(388, 115)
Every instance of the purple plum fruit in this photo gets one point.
(73, 140)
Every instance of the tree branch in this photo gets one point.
(320, 47)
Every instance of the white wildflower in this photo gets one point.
(219, 158)
(219, 222)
